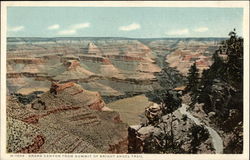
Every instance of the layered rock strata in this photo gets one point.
(57, 122)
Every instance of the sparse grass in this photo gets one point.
(131, 109)
(27, 91)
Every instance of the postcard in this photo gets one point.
(125, 80)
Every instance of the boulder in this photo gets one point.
(170, 133)
(153, 112)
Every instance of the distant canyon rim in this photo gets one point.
(56, 87)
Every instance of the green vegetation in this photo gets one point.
(221, 86)
(163, 144)
(184, 117)
(193, 82)
(220, 89)
(170, 100)
(198, 135)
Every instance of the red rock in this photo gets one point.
(38, 141)
(120, 147)
(33, 119)
(117, 119)
(25, 61)
(97, 105)
(72, 64)
(56, 87)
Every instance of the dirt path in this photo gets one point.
(216, 139)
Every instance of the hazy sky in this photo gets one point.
(134, 22)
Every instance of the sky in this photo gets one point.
(132, 22)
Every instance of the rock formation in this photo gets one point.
(170, 133)
(93, 49)
(57, 121)
(116, 61)
(56, 115)
(70, 93)
(153, 113)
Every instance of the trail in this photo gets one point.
(216, 139)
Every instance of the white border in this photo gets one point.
(224, 4)
(233, 4)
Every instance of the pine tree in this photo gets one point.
(193, 81)
(233, 47)
(170, 100)
(227, 73)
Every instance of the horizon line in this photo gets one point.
(114, 37)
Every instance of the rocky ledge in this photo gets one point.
(66, 119)
(170, 133)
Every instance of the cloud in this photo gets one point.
(74, 28)
(53, 27)
(67, 32)
(130, 27)
(179, 32)
(80, 26)
(16, 29)
(201, 29)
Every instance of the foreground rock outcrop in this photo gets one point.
(66, 119)
(171, 133)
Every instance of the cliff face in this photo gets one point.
(20, 60)
(71, 94)
(126, 66)
(58, 114)
(171, 133)
(58, 120)
(188, 52)
(83, 62)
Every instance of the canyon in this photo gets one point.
(88, 95)
(99, 64)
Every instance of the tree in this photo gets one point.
(193, 82)
(208, 77)
(198, 135)
(193, 78)
(170, 100)
(221, 86)
(233, 47)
